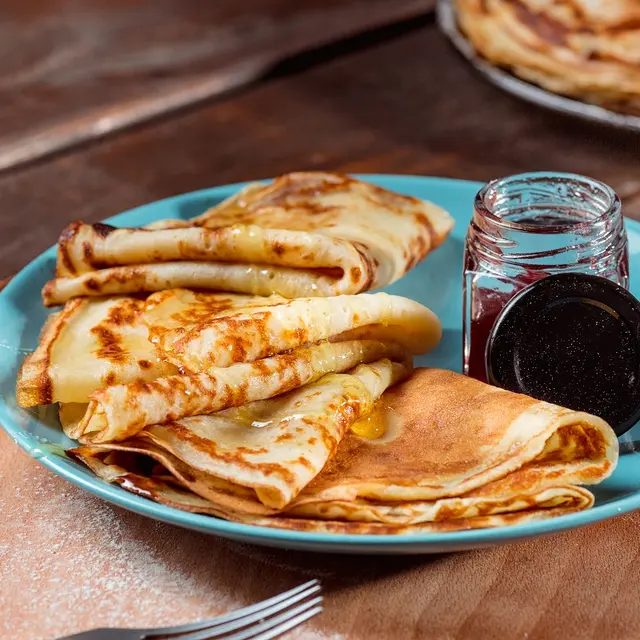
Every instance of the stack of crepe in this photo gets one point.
(438, 452)
(288, 411)
(579, 48)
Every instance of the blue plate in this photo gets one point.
(435, 283)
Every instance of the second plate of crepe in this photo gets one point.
(435, 283)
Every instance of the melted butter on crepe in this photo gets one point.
(298, 432)
(304, 234)
(90, 344)
(382, 424)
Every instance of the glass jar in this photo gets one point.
(527, 227)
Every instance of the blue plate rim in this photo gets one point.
(116, 495)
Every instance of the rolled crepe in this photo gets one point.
(590, 52)
(120, 411)
(305, 234)
(273, 447)
(457, 454)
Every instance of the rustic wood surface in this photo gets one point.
(405, 105)
(72, 71)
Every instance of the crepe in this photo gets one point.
(582, 49)
(110, 350)
(196, 331)
(90, 344)
(273, 447)
(455, 454)
(305, 234)
(120, 411)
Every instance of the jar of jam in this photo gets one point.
(529, 226)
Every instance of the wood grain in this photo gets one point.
(71, 72)
(59, 545)
(409, 105)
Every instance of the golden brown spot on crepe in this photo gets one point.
(312, 441)
(66, 237)
(110, 378)
(418, 249)
(261, 368)
(304, 462)
(145, 364)
(284, 437)
(92, 284)
(237, 456)
(370, 270)
(103, 230)
(278, 248)
(87, 251)
(247, 450)
(329, 272)
(109, 345)
(576, 441)
(395, 201)
(290, 189)
(355, 273)
(125, 313)
(240, 393)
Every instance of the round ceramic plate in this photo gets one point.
(525, 90)
(436, 283)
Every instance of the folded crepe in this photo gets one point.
(305, 234)
(96, 343)
(272, 447)
(583, 49)
(120, 411)
(194, 339)
(90, 344)
(455, 453)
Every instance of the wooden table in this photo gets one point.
(400, 103)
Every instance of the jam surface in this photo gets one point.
(487, 304)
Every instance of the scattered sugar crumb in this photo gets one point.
(71, 562)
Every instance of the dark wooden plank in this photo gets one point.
(409, 105)
(71, 71)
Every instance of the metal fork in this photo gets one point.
(262, 621)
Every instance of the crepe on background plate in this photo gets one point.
(319, 234)
(583, 49)
(456, 454)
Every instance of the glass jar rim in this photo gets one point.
(481, 206)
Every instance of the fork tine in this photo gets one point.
(259, 616)
(264, 626)
(309, 588)
(233, 615)
(286, 626)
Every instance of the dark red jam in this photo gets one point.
(525, 228)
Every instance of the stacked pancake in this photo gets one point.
(184, 385)
(582, 49)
